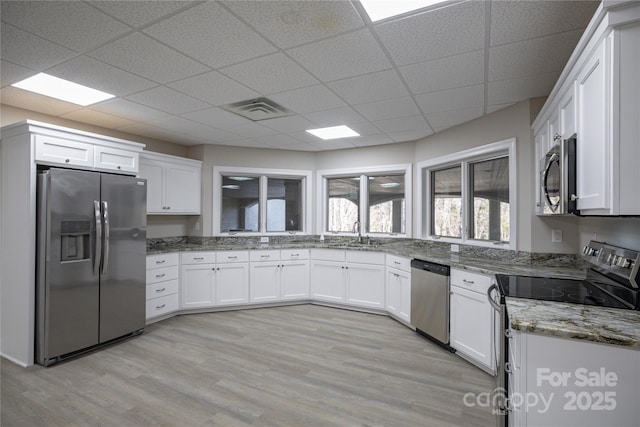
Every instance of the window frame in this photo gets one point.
(263, 174)
(463, 158)
(322, 191)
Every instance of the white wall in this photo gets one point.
(623, 232)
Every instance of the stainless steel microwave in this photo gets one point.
(558, 179)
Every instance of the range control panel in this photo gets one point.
(622, 262)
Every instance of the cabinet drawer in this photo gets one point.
(161, 289)
(294, 254)
(162, 305)
(71, 153)
(117, 160)
(472, 281)
(162, 274)
(198, 258)
(264, 255)
(232, 256)
(398, 262)
(328, 254)
(161, 260)
(365, 257)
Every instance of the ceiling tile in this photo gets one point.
(277, 141)
(211, 34)
(155, 132)
(402, 124)
(514, 90)
(389, 109)
(72, 24)
(97, 118)
(334, 117)
(516, 21)
(146, 57)
(250, 130)
(30, 51)
(332, 144)
(370, 140)
(434, 34)
(32, 101)
(288, 124)
(531, 57)
(130, 110)
(214, 136)
(342, 56)
(292, 23)
(98, 75)
(165, 99)
(137, 13)
(271, 74)
(216, 117)
(453, 71)
(214, 88)
(370, 87)
(409, 135)
(445, 119)
(178, 124)
(494, 108)
(451, 99)
(309, 99)
(12, 73)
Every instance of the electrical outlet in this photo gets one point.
(556, 236)
(455, 248)
(264, 239)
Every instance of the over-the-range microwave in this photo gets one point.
(558, 179)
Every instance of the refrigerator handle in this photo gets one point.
(98, 247)
(105, 256)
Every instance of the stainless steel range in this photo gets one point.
(611, 281)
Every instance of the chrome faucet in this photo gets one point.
(357, 229)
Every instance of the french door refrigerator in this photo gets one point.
(91, 241)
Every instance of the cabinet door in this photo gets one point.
(232, 284)
(328, 281)
(593, 142)
(198, 286)
(365, 285)
(394, 291)
(113, 159)
(294, 280)
(64, 152)
(472, 325)
(182, 189)
(153, 172)
(264, 282)
(404, 279)
(567, 114)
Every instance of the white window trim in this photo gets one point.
(307, 195)
(323, 175)
(423, 185)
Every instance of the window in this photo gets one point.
(469, 197)
(375, 200)
(261, 201)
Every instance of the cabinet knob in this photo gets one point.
(67, 160)
(119, 168)
(557, 137)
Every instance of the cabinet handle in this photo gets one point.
(295, 255)
(263, 256)
(507, 368)
(161, 262)
(468, 282)
(160, 307)
(160, 275)
(396, 263)
(234, 257)
(160, 290)
(557, 137)
(199, 258)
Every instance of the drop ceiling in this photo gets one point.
(173, 64)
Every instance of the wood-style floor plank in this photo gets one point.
(303, 365)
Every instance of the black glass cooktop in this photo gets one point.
(593, 291)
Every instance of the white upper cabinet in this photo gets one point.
(598, 98)
(173, 184)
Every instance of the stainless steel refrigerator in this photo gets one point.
(90, 261)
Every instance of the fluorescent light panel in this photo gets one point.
(58, 88)
(333, 132)
(382, 9)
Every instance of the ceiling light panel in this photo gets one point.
(334, 132)
(64, 90)
(382, 9)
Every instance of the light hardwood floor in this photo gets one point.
(303, 365)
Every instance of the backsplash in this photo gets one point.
(382, 244)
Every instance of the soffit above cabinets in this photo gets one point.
(172, 65)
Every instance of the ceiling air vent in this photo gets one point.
(258, 109)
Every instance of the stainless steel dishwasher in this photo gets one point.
(430, 300)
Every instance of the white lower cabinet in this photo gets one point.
(209, 284)
(398, 297)
(472, 319)
(351, 277)
(162, 285)
(567, 382)
(279, 275)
